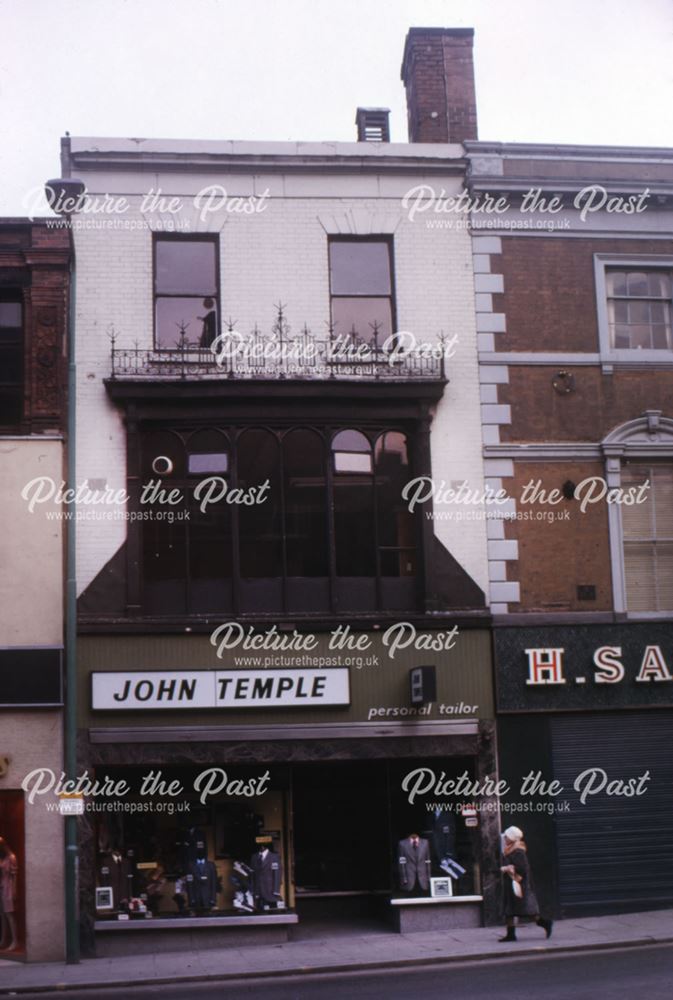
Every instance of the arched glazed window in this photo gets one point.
(164, 535)
(305, 495)
(277, 519)
(260, 536)
(396, 526)
(639, 463)
(353, 501)
(209, 529)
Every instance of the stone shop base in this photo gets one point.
(427, 914)
(147, 937)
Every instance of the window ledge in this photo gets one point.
(650, 359)
(436, 900)
(169, 923)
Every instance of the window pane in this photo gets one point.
(10, 314)
(659, 284)
(185, 267)
(649, 565)
(348, 461)
(641, 337)
(636, 283)
(305, 504)
(639, 570)
(619, 312)
(665, 576)
(360, 316)
(354, 525)
(638, 519)
(359, 267)
(258, 457)
(639, 312)
(11, 364)
(616, 282)
(662, 487)
(350, 441)
(165, 561)
(209, 549)
(395, 522)
(622, 337)
(352, 452)
(661, 337)
(208, 463)
(194, 315)
(659, 312)
(10, 406)
(353, 505)
(208, 453)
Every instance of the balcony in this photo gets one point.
(280, 356)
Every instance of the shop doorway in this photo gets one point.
(12, 875)
(342, 851)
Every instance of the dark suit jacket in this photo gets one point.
(414, 864)
(266, 877)
(202, 885)
(114, 870)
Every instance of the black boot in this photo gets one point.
(510, 935)
(546, 925)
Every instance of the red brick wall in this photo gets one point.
(550, 297)
(438, 74)
(35, 260)
(598, 405)
(557, 556)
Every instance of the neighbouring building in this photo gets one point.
(275, 362)
(34, 262)
(574, 295)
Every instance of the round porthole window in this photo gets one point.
(162, 465)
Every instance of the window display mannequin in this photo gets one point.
(443, 837)
(115, 870)
(8, 873)
(267, 874)
(202, 883)
(190, 844)
(413, 854)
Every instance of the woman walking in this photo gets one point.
(520, 898)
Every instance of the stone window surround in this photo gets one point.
(610, 356)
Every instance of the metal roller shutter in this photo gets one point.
(615, 851)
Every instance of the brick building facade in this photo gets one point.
(34, 262)
(578, 358)
(370, 381)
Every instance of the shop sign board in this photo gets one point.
(198, 689)
(592, 667)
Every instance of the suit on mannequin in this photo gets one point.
(115, 870)
(413, 854)
(266, 877)
(201, 882)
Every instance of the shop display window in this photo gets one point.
(175, 857)
(12, 875)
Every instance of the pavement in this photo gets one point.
(332, 954)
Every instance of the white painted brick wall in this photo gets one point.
(279, 255)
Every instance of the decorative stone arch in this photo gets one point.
(648, 436)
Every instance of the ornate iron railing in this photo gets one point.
(280, 355)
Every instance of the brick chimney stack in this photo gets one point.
(438, 74)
